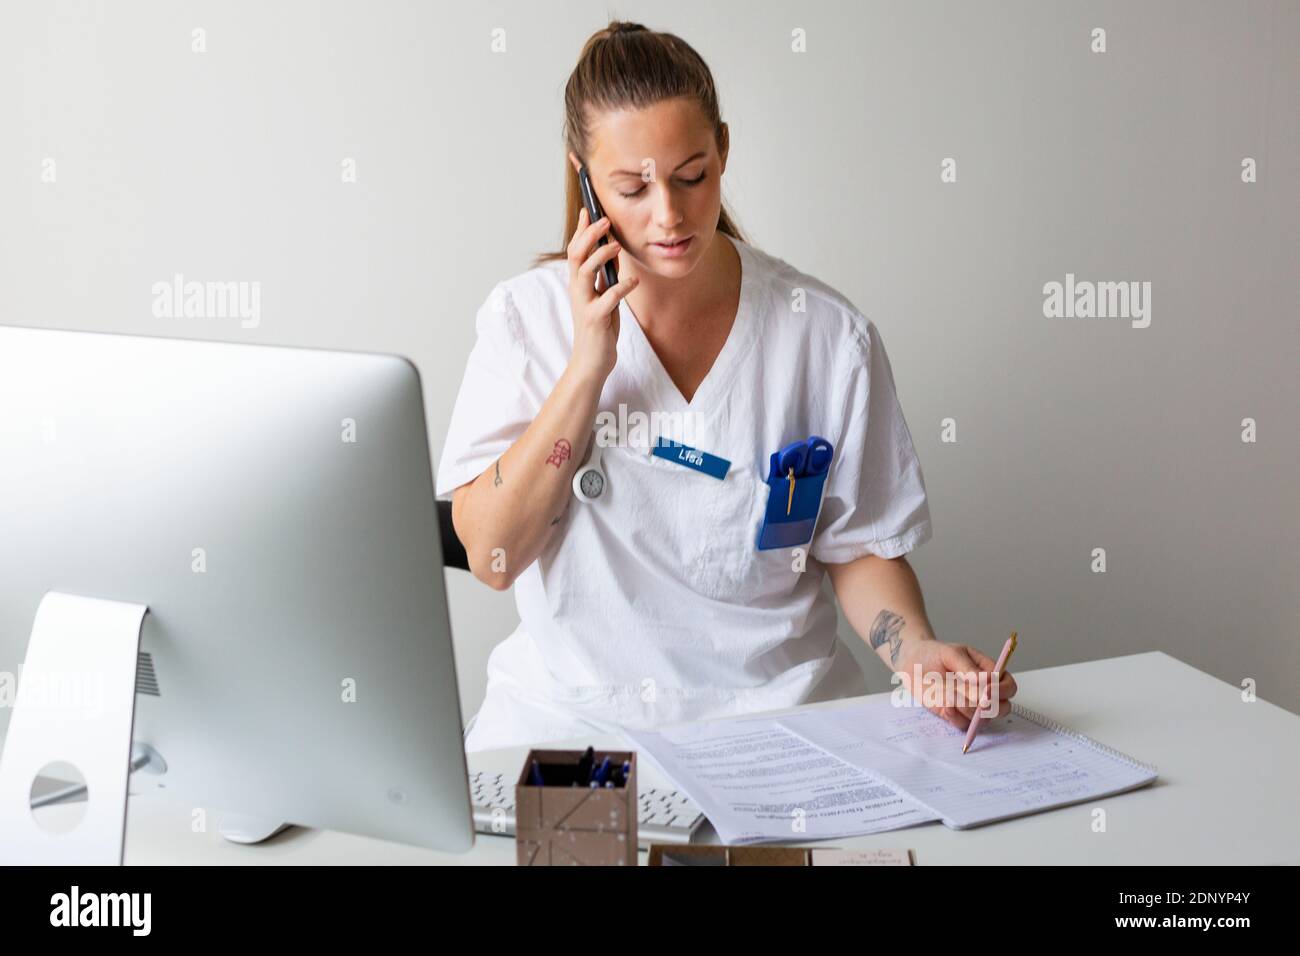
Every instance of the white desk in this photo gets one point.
(1226, 794)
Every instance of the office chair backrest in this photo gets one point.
(453, 552)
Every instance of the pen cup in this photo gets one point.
(559, 824)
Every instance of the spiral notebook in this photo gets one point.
(1019, 764)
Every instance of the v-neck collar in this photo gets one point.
(663, 390)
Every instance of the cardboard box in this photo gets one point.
(563, 825)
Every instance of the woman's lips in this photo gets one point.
(674, 251)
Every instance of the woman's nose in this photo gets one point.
(668, 211)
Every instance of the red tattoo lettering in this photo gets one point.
(561, 453)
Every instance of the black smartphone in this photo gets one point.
(594, 212)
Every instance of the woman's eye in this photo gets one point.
(686, 182)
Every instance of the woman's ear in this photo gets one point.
(573, 158)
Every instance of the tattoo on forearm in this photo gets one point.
(886, 628)
(561, 453)
(497, 480)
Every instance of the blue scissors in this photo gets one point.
(801, 459)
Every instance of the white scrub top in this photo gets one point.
(652, 604)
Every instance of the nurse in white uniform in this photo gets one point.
(643, 597)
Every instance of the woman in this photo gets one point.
(651, 603)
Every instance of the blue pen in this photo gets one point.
(537, 776)
(599, 776)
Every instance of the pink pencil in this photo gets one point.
(998, 668)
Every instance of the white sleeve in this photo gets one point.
(494, 406)
(874, 501)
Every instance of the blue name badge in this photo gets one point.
(692, 458)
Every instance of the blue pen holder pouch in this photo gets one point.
(781, 530)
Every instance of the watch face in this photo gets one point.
(593, 483)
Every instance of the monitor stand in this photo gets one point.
(75, 705)
(238, 828)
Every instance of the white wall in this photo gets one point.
(1072, 434)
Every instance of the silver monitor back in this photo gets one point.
(274, 508)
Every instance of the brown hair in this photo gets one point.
(624, 66)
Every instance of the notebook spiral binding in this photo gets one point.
(1052, 725)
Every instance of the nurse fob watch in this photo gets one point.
(589, 481)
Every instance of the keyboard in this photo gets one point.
(666, 815)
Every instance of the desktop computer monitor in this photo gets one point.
(274, 510)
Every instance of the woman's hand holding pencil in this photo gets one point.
(963, 673)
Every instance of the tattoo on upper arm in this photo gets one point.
(561, 453)
(557, 520)
(497, 480)
(886, 628)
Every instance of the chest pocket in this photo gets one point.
(702, 531)
(737, 571)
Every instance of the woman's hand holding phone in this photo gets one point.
(595, 310)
